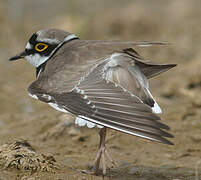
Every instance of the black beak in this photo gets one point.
(18, 56)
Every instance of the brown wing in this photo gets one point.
(103, 102)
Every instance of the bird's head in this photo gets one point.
(42, 45)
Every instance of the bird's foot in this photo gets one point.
(100, 156)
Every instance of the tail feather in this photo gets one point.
(149, 70)
(152, 70)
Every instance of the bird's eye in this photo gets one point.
(41, 47)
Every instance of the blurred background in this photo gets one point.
(177, 91)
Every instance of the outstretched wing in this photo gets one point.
(111, 95)
(97, 99)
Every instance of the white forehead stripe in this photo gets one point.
(53, 41)
(50, 41)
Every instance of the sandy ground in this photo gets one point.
(38, 142)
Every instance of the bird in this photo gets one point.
(103, 83)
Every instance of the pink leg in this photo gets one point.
(101, 153)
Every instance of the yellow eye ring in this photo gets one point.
(41, 47)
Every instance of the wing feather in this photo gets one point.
(98, 99)
(107, 103)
